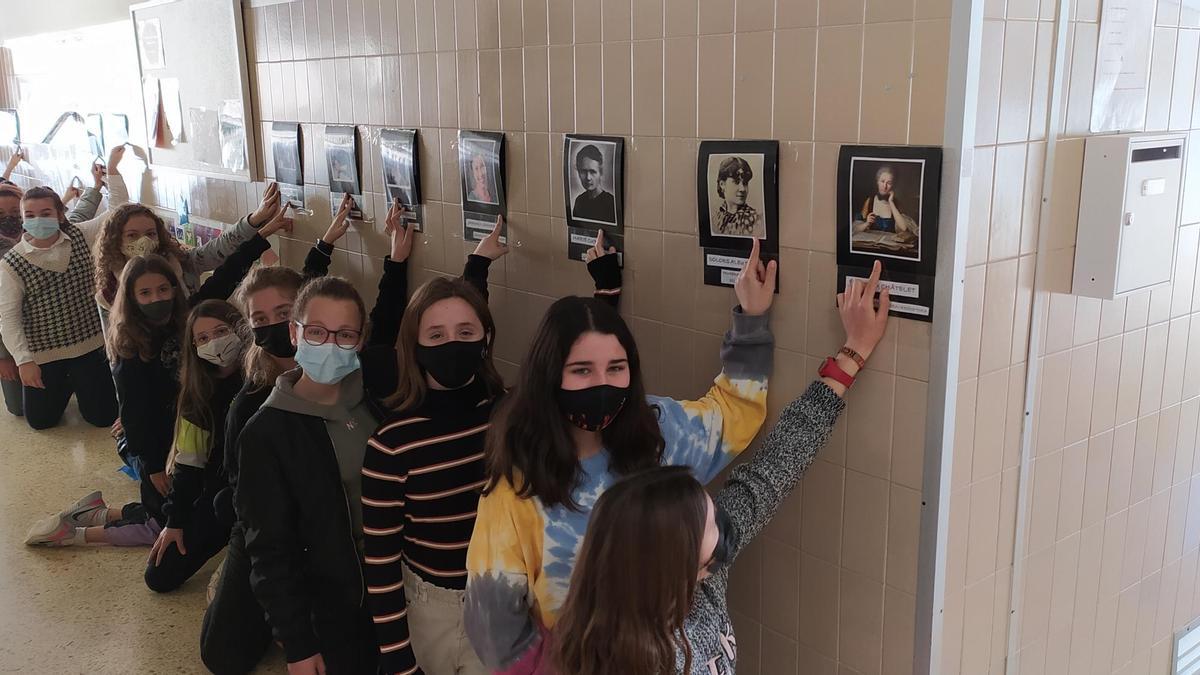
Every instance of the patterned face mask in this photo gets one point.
(594, 408)
(10, 227)
(144, 245)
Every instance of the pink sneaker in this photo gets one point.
(89, 511)
(53, 531)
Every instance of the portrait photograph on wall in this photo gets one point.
(341, 155)
(481, 167)
(594, 192)
(888, 200)
(737, 193)
(401, 174)
(289, 168)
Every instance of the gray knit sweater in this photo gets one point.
(750, 498)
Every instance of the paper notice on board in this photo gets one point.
(150, 44)
(173, 108)
(233, 135)
(1122, 65)
(204, 135)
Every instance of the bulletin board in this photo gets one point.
(196, 87)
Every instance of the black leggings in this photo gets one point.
(235, 634)
(87, 377)
(203, 538)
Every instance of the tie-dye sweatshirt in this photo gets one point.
(522, 553)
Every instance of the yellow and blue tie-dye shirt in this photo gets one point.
(522, 553)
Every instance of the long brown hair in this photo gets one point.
(333, 288)
(108, 253)
(634, 578)
(411, 385)
(530, 443)
(261, 368)
(197, 377)
(130, 333)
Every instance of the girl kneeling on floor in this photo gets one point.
(149, 317)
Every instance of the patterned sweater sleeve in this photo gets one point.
(85, 207)
(498, 613)
(384, 475)
(755, 489)
(707, 434)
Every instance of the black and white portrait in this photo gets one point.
(341, 153)
(593, 179)
(885, 206)
(479, 163)
(400, 177)
(285, 150)
(735, 199)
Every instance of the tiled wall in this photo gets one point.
(830, 587)
(1110, 547)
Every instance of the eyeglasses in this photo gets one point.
(205, 338)
(318, 335)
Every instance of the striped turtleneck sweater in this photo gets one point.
(421, 479)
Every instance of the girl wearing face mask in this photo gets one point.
(144, 348)
(301, 458)
(53, 339)
(197, 527)
(135, 230)
(649, 590)
(578, 420)
(421, 476)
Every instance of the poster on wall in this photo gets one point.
(204, 130)
(594, 190)
(888, 199)
(341, 154)
(737, 192)
(150, 44)
(289, 168)
(1122, 65)
(481, 166)
(233, 135)
(401, 173)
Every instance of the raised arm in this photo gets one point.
(320, 256)
(384, 475)
(489, 250)
(604, 266)
(756, 489)
(497, 614)
(708, 433)
(118, 195)
(225, 279)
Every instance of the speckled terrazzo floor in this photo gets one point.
(84, 610)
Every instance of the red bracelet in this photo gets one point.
(833, 371)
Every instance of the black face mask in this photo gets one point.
(594, 408)
(275, 340)
(10, 227)
(722, 552)
(451, 364)
(158, 311)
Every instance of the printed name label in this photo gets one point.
(893, 287)
(730, 262)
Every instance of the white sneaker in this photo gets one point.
(52, 531)
(89, 511)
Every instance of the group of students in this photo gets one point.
(386, 501)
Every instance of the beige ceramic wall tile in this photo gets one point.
(931, 40)
(617, 18)
(977, 633)
(990, 417)
(866, 516)
(537, 88)
(998, 309)
(780, 597)
(904, 513)
(964, 434)
(869, 439)
(1031, 213)
(716, 16)
(648, 88)
(991, 69)
(794, 85)
(1017, 81)
(886, 83)
(860, 623)
(908, 443)
(839, 70)
(1007, 210)
(1130, 379)
(680, 63)
(981, 205)
(1080, 394)
(618, 89)
(819, 602)
(820, 532)
(715, 116)
(753, 84)
(562, 89)
(589, 89)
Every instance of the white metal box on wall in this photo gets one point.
(1128, 214)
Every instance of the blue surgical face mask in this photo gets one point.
(41, 227)
(327, 363)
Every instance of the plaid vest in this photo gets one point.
(58, 310)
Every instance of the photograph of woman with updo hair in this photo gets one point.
(737, 202)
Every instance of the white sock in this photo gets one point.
(79, 539)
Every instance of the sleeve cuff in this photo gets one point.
(324, 247)
(477, 266)
(299, 649)
(605, 272)
(390, 265)
(745, 325)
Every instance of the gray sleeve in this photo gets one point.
(749, 348)
(85, 207)
(210, 256)
(756, 488)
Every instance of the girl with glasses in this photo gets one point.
(298, 493)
